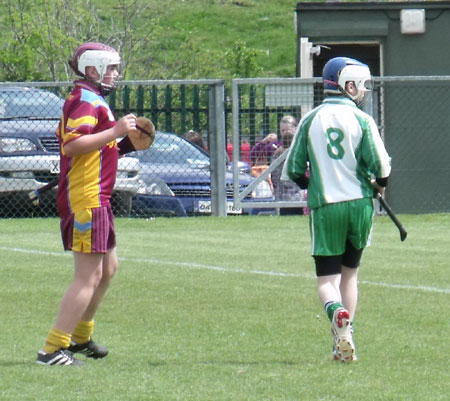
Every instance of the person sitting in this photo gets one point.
(195, 138)
(286, 190)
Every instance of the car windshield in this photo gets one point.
(171, 149)
(26, 103)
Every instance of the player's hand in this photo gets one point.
(377, 188)
(270, 138)
(125, 124)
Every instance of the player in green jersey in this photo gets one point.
(341, 148)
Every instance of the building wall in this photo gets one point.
(417, 54)
(415, 127)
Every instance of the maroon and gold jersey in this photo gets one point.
(85, 181)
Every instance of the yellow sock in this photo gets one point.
(83, 332)
(55, 340)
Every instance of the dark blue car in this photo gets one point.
(175, 180)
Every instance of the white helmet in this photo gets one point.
(94, 54)
(340, 70)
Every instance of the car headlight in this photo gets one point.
(156, 187)
(11, 145)
(262, 190)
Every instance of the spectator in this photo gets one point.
(230, 150)
(195, 138)
(263, 150)
(286, 190)
(245, 151)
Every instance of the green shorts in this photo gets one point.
(332, 225)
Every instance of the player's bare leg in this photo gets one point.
(349, 289)
(328, 288)
(109, 268)
(330, 295)
(81, 341)
(88, 274)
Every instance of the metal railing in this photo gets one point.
(411, 112)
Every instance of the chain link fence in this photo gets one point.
(179, 177)
(175, 177)
(413, 119)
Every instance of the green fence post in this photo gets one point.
(126, 98)
(154, 105)
(195, 109)
(251, 112)
(266, 115)
(168, 107)
(183, 108)
(140, 100)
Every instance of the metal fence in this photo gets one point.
(412, 114)
(177, 178)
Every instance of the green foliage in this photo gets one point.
(226, 309)
(173, 39)
(17, 63)
(242, 61)
(41, 35)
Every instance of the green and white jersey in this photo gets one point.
(344, 149)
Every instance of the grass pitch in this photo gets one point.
(226, 309)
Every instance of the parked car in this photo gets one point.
(175, 180)
(29, 152)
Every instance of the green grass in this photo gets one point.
(213, 26)
(226, 309)
(186, 39)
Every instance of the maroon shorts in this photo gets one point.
(89, 230)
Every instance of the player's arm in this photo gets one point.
(379, 184)
(88, 143)
(302, 181)
(376, 157)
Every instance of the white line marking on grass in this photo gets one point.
(236, 270)
(218, 268)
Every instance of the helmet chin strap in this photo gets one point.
(359, 100)
(105, 89)
(354, 98)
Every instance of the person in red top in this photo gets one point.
(88, 157)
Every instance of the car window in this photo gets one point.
(26, 103)
(171, 149)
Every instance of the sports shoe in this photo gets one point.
(336, 357)
(59, 357)
(90, 349)
(344, 347)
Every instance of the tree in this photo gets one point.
(43, 35)
(242, 61)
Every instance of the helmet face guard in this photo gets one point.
(340, 70)
(98, 55)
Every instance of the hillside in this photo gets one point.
(158, 39)
(203, 32)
